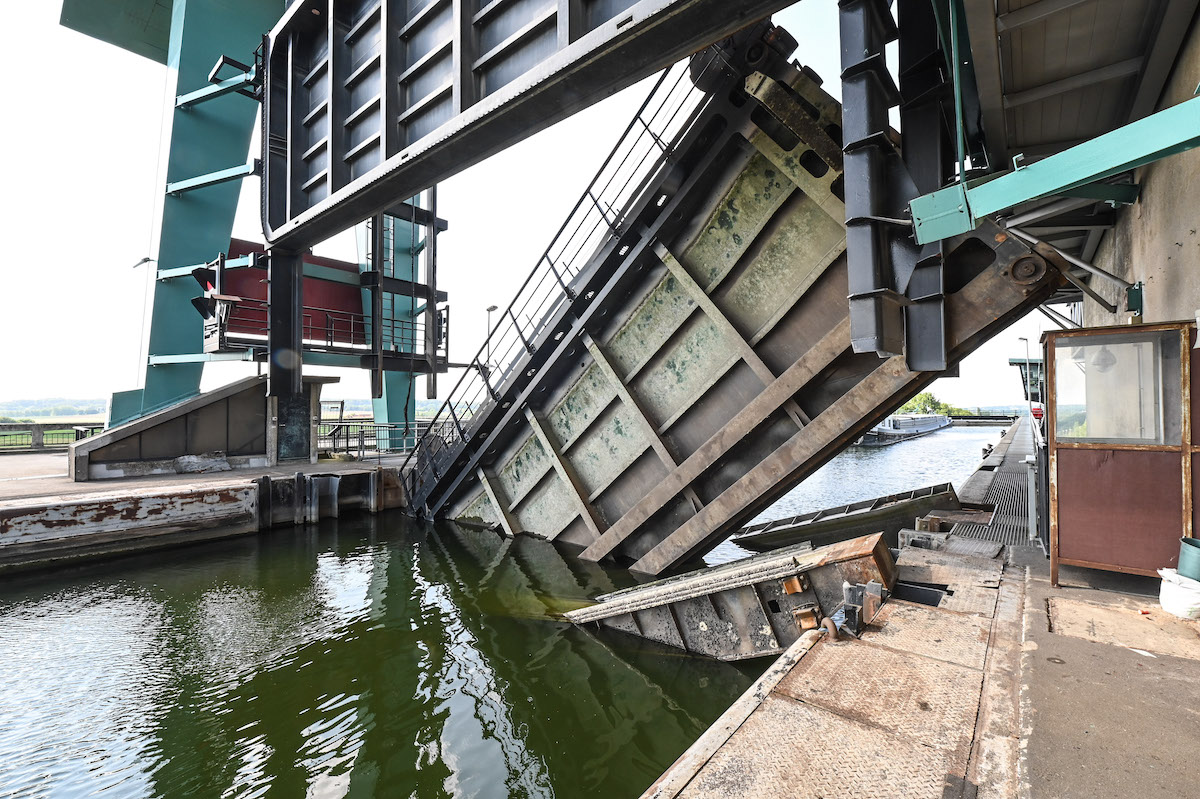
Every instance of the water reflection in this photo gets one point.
(366, 657)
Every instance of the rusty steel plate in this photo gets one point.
(971, 599)
(972, 547)
(942, 568)
(925, 700)
(955, 637)
(793, 749)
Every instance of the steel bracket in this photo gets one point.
(1134, 298)
(246, 170)
(938, 215)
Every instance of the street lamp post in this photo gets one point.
(1028, 375)
(490, 308)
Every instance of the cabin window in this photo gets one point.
(1118, 388)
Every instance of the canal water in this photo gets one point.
(369, 656)
(950, 455)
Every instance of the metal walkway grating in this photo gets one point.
(1009, 492)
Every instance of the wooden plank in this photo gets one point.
(566, 473)
(506, 519)
(780, 390)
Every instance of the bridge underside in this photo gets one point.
(704, 366)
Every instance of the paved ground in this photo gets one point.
(1103, 719)
(920, 707)
(45, 474)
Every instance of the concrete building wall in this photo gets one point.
(1157, 239)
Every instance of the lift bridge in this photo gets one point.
(684, 352)
(756, 276)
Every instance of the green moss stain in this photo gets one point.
(750, 203)
(650, 324)
(528, 465)
(548, 509)
(480, 510)
(793, 257)
(608, 448)
(586, 398)
(680, 373)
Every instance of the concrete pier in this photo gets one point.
(46, 518)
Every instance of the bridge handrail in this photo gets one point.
(644, 148)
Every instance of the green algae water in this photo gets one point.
(362, 657)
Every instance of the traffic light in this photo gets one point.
(206, 276)
(209, 278)
(206, 305)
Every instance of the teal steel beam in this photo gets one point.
(248, 169)
(195, 225)
(200, 357)
(958, 209)
(186, 271)
(237, 83)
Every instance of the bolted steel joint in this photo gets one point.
(1027, 270)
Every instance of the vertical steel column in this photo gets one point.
(285, 384)
(285, 332)
(880, 251)
(431, 310)
(376, 311)
(928, 155)
(396, 244)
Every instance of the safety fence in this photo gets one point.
(25, 436)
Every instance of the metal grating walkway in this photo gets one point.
(1008, 491)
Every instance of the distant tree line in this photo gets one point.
(926, 402)
(53, 406)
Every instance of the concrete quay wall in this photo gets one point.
(51, 529)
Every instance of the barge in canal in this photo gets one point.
(903, 426)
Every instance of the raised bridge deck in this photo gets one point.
(652, 390)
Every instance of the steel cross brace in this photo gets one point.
(241, 83)
(959, 209)
(246, 170)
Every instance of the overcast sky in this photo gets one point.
(82, 142)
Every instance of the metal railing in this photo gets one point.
(363, 439)
(23, 436)
(598, 218)
(335, 329)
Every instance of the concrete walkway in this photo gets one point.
(1088, 690)
(1110, 688)
(44, 474)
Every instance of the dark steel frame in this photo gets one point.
(340, 113)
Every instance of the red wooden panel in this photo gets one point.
(1192, 488)
(1121, 508)
(334, 309)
